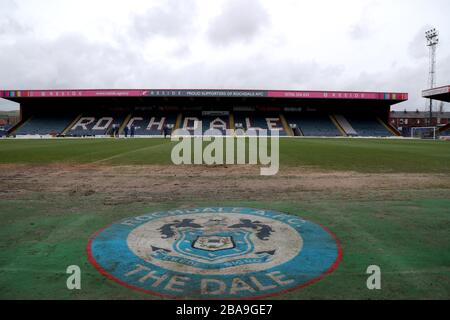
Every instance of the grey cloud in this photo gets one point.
(416, 48)
(8, 6)
(239, 21)
(182, 51)
(257, 72)
(171, 19)
(401, 79)
(73, 61)
(69, 61)
(363, 28)
(359, 31)
(10, 25)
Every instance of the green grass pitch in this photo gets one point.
(402, 227)
(330, 154)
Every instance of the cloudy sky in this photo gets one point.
(239, 44)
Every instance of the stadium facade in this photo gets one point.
(75, 113)
(440, 94)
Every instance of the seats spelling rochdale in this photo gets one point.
(269, 122)
(95, 125)
(209, 120)
(191, 122)
(217, 122)
(152, 125)
(153, 122)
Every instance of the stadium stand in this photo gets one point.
(345, 125)
(44, 125)
(191, 122)
(84, 113)
(368, 126)
(248, 121)
(4, 130)
(95, 125)
(313, 125)
(445, 131)
(218, 122)
(151, 125)
(4, 127)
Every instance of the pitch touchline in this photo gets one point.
(125, 153)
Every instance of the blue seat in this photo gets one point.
(314, 125)
(368, 126)
(207, 121)
(141, 125)
(44, 125)
(258, 121)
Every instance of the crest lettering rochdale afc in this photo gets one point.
(215, 253)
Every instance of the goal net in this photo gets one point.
(424, 133)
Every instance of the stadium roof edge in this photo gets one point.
(440, 93)
(17, 95)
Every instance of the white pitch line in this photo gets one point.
(126, 153)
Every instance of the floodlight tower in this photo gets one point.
(432, 37)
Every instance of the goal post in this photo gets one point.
(424, 133)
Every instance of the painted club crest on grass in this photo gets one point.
(215, 244)
(209, 253)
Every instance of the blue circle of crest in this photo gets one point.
(109, 252)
